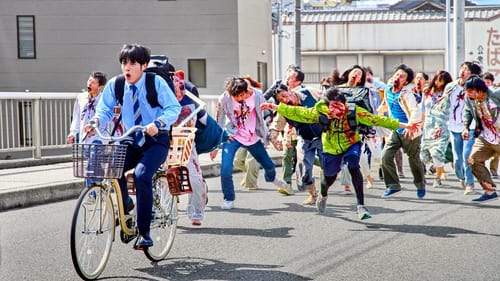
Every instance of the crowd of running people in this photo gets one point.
(411, 113)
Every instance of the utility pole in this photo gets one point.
(298, 37)
(459, 46)
(447, 54)
(280, 40)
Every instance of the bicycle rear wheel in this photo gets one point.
(92, 232)
(164, 221)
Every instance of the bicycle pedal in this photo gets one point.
(126, 238)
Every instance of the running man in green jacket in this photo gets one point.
(340, 138)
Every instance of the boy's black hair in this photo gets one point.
(134, 53)
(473, 67)
(426, 77)
(489, 76)
(300, 74)
(475, 82)
(409, 72)
(333, 94)
(101, 77)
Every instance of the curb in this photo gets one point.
(71, 189)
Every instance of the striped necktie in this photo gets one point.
(139, 138)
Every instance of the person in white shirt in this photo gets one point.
(84, 110)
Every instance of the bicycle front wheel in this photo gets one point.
(164, 221)
(92, 232)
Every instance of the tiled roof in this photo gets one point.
(489, 13)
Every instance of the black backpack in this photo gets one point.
(359, 96)
(160, 66)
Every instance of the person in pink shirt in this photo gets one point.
(238, 111)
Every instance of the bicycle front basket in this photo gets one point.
(98, 160)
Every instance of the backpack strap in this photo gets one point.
(351, 117)
(151, 95)
(119, 88)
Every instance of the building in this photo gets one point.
(53, 45)
(410, 32)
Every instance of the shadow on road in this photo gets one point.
(280, 232)
(190, 268)
(429, 230)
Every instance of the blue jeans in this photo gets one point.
(306, 153)
(461, 151)
(257, 150)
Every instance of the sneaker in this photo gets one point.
(437, 183)
(462, 183)
(321, 204)
(363, 213)
(469, 190)
(144, 241)
(280, 184)
(347, 190)
(196, 222)
(252, 188)
(227, 205)
(486, 197)
(288, 190)
(420, 193)
(390, 192)
(311, 200)
(313, 195)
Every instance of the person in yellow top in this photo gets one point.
(341, 139)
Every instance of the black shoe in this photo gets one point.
(143, 242)
(129, 206)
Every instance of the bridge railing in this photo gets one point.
(35, 125)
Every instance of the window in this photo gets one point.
(197, 72)
(262, 74)
(26, 37)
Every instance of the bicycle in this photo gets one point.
(99, 207)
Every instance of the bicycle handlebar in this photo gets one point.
(120, 138)
(201, 104)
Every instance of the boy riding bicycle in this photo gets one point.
(147, 151)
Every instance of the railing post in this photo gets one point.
(37, 133)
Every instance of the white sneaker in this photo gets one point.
(280, 183)
(286, 191)
(227, 205)
(469, 190)
(363, 213)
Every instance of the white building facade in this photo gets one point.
(383, 39)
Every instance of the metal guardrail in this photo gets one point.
(35, 125)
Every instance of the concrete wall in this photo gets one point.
(75, 37)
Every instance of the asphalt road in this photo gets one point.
(272, 237)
